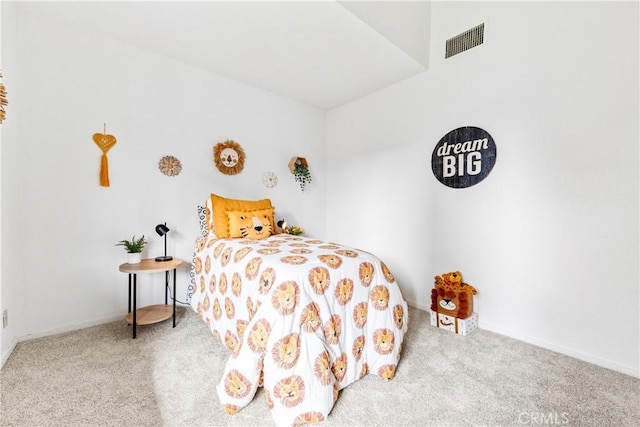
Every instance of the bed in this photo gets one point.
(302, 317)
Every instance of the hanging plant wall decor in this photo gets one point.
(300, 170)
(228, 157)
(105, 143)
(170, 166)
(3, 100)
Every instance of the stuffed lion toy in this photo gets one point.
(451, 296)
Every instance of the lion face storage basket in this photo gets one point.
(452, 304)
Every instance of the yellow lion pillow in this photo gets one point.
(254, 225)
(220, 206)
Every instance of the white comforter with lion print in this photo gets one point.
(303, 318)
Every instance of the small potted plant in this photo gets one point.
(295, 230)
(134, 249)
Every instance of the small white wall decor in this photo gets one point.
(270, 179)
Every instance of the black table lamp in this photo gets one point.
(162, 230)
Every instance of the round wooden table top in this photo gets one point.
(150, 265)
(150, 315)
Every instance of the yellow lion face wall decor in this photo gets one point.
(229, 157)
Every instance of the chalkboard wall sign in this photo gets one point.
(463, 157)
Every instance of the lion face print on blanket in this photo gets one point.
(303, 319)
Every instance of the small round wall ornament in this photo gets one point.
(170, 166)
(270, 179)
(228, 157)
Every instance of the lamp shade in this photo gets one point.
(162, 229)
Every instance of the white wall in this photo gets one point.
(71, 82)
(12, 247)
(1, 363)
(550, 237)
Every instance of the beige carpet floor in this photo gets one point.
(99, 376)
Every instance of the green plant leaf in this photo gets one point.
(134, 245)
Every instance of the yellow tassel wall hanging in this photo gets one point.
(105, 143)
(3, 100)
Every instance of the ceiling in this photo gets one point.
(323, 53)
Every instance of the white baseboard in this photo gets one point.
(627, 370)
(419, 306)
(6, 354)
(69, 328)
(56, 331)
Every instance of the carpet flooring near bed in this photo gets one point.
(99, 376)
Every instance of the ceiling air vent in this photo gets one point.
(465, 41)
